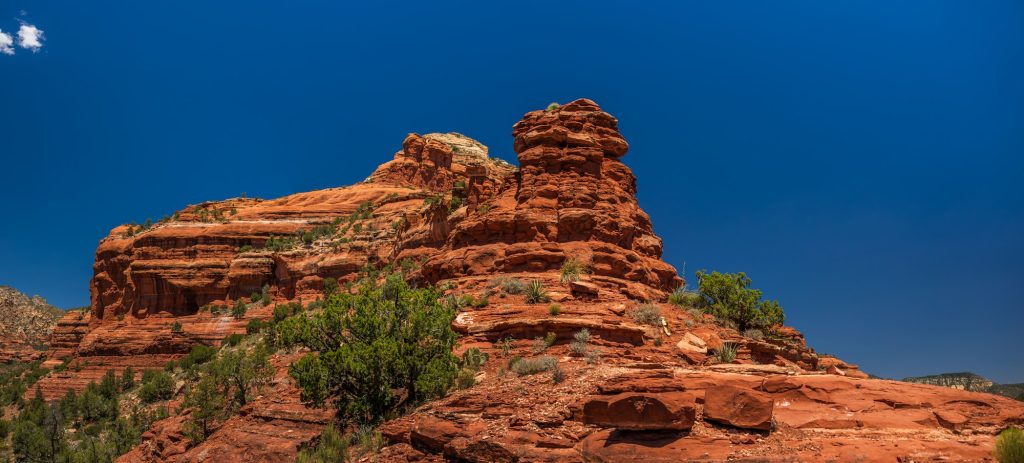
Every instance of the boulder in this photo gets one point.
(584, 288)
(739, 407)
(692, 348)
(632, 411)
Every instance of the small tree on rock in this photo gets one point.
(370, 344)
(728, 297)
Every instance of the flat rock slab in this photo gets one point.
(584, 288)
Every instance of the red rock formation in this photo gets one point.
(575, 200)
(269, 429)
(637, 392)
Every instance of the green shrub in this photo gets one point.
(370, 441)
(265, 295)
(207, 403)
(534, 365)
(535, 293)
(199, 355)
(753, 333)
(156, 385)
(127, 379)
(254, 297)
(647, 314)
(454, 204)
(554, 310)
(330, 286)
(727, 297)
(241, 372)
(465, 379)
(176, 327)
(331, 448)
(541, 344)
(255, 326)
(280, 243)
(509, 285)
(239, 309)
(281, 312)
(726, 354)
(553, 107)
(505, 345)
(483, 209)
(233, 339)
(573, 270)
(557, 375)
(579, 342)
(366, 345)
(1010, 446)
(246, 248)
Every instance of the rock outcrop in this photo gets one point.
(635, 388)
(575, 199)
(638, 411)
(25, 324)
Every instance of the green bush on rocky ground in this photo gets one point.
(730, 299)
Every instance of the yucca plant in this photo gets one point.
(535, 293)
(683, 297)
(727, 353)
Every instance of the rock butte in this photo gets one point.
(655, 395)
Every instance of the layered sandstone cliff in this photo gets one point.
(651, 392)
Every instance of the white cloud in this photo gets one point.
(30, 37)
(6, 43)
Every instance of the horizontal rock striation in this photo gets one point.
(575, 199)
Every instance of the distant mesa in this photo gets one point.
(970, 382)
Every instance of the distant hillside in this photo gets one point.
(25, 319)
(970, 382)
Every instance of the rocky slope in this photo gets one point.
(643, 392)
(24, 322)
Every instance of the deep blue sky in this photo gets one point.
(861, 161)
